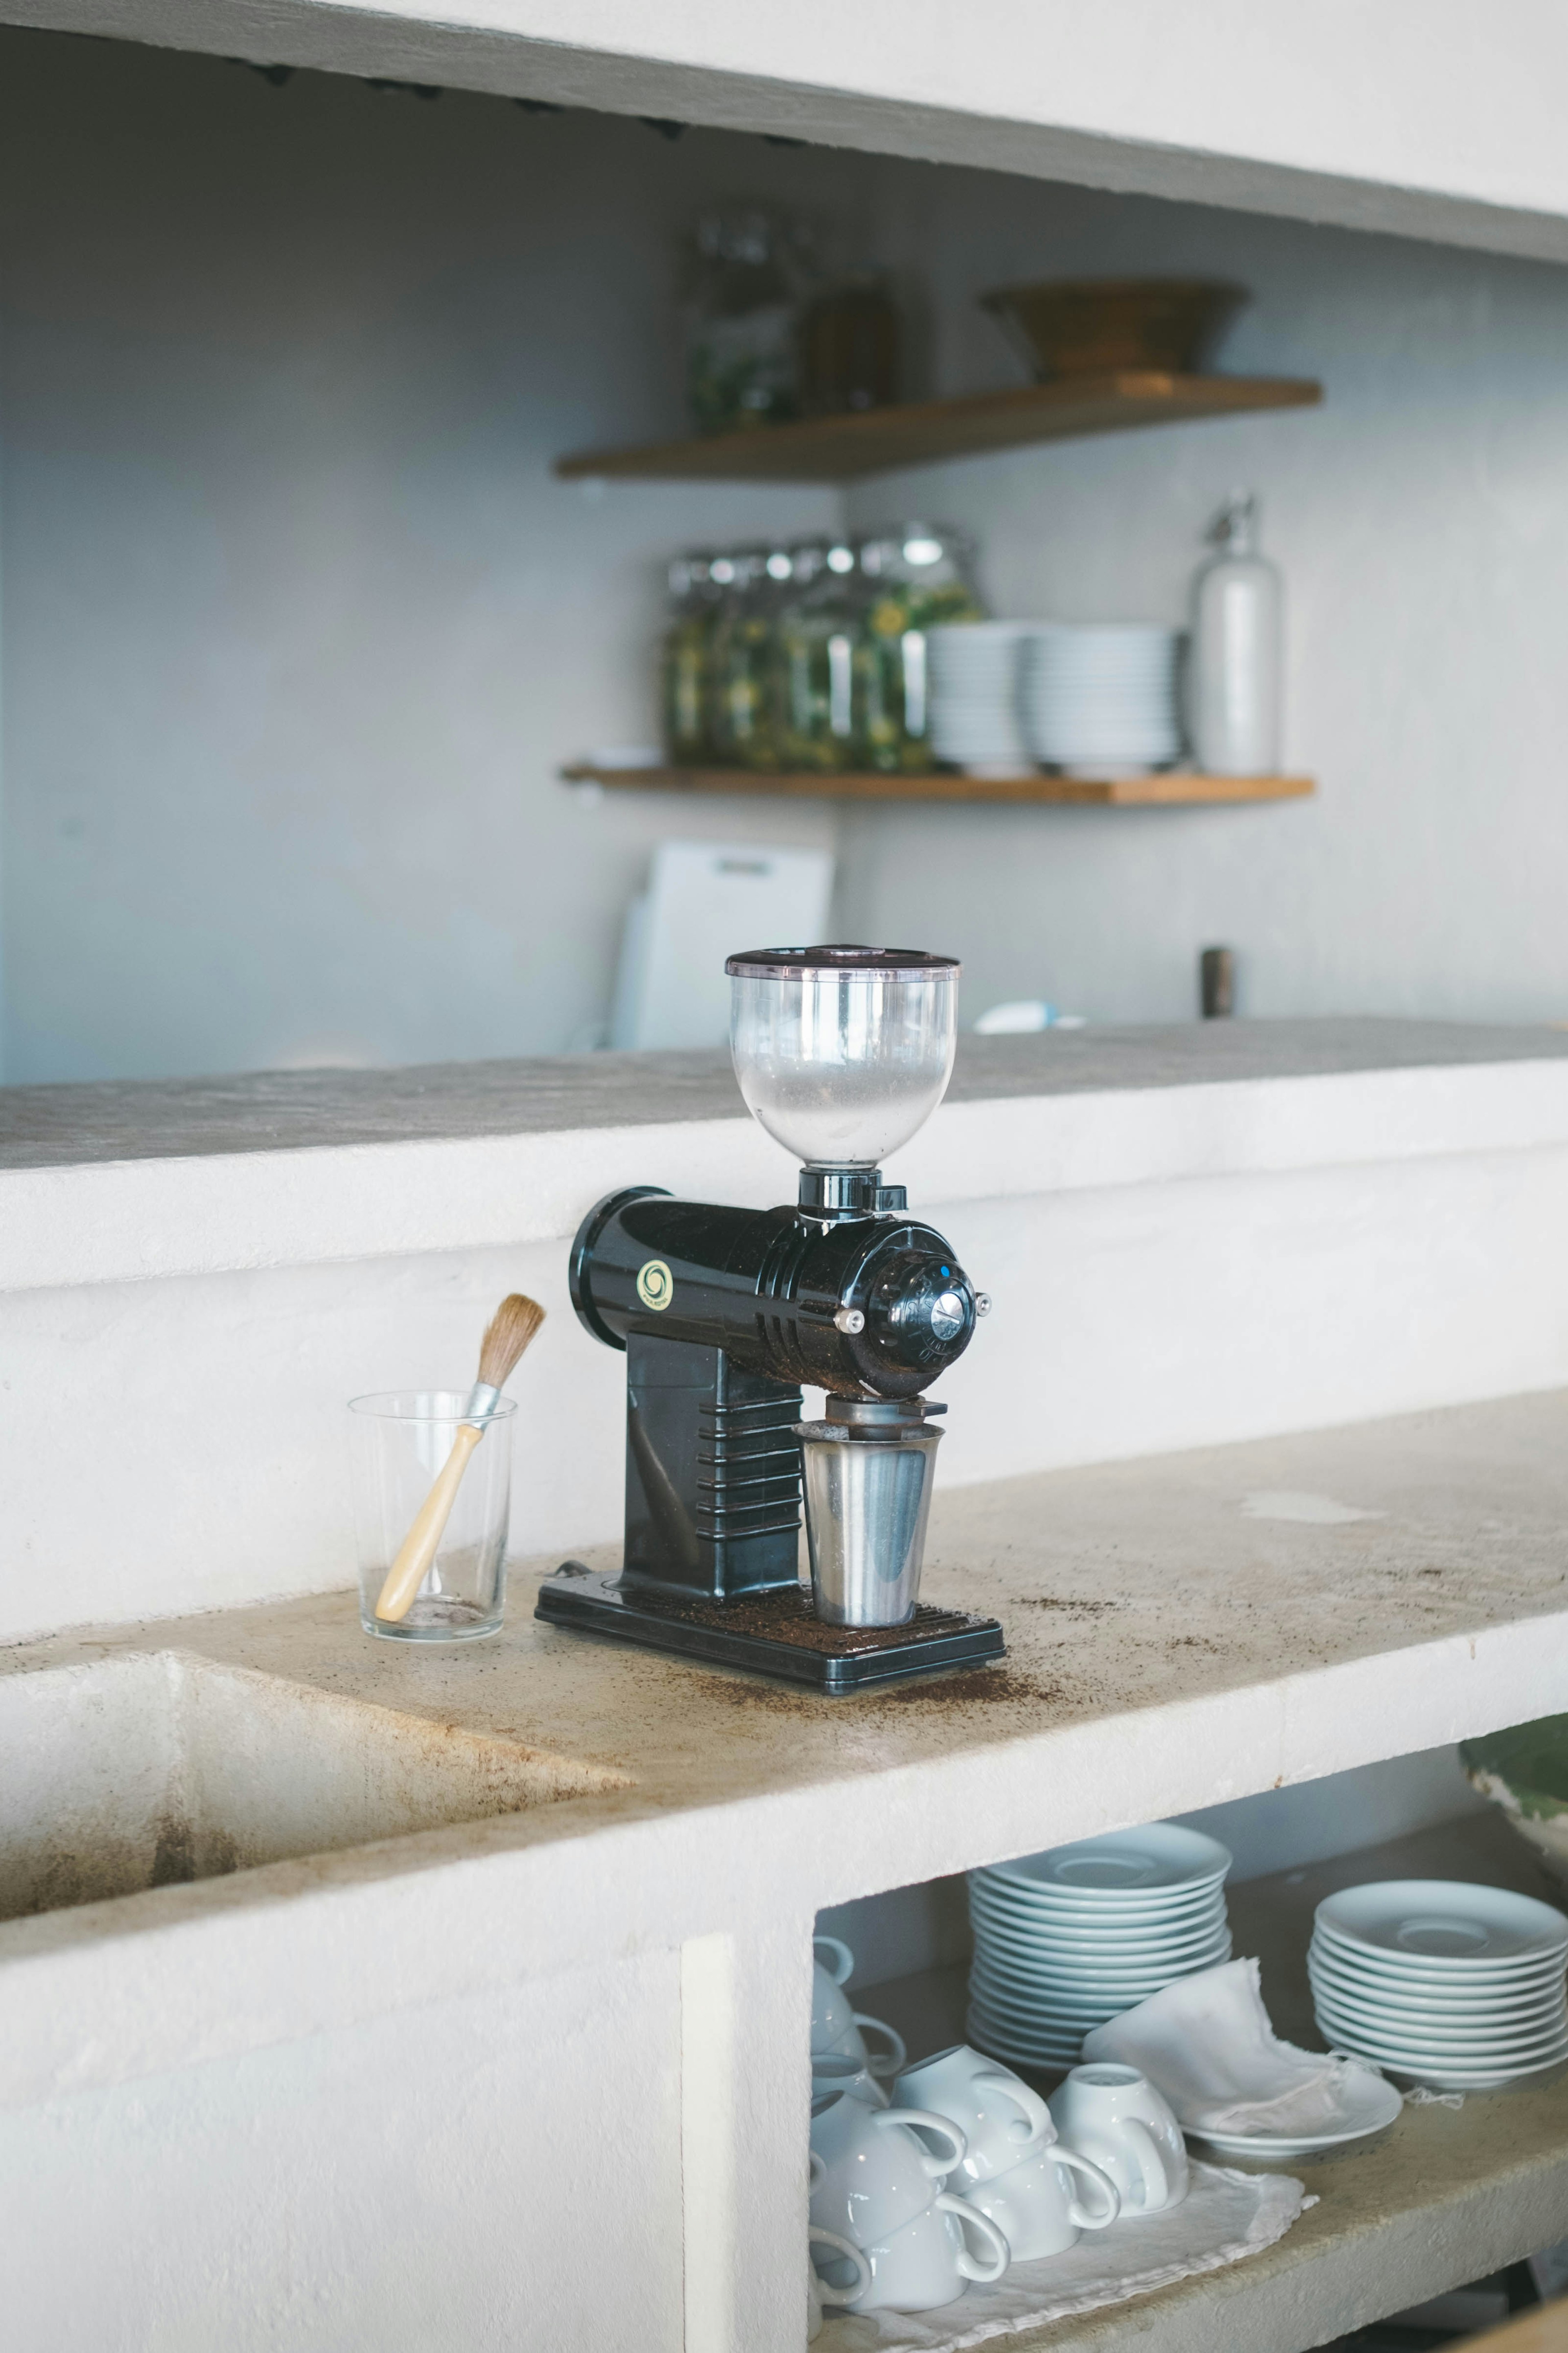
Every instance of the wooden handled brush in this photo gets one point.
(511, 1327)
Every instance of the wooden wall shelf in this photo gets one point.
(1173, 790)
(920, 433)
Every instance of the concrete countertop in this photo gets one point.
(277, 1110)
(1181, 1630)
(124, 1183)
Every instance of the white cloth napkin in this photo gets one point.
(1206, 2042)
(1225, 2217)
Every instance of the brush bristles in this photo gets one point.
(510, 1329)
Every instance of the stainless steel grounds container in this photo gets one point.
(869, 1468)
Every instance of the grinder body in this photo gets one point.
(724, 1313)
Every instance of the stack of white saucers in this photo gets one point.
(1458, 1987)
(1100, 699)
(1066, 1939)
(975, 696)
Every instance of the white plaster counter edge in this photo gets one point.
(186, 1975)
(138, 1220)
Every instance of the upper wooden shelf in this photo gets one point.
(920, 433)
(1167, 789)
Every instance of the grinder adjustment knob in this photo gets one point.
(919, 1311)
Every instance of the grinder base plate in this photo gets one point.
(773, 1633)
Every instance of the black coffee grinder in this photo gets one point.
(842, 1053)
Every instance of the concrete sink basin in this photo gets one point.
(147, 1769)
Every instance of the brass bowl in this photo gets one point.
(1095, 326)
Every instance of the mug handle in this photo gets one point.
(924, 2120)
(891, 2061)
(817, 2236)
(1151, 2164)
(970, 2218)
(841, 1967)
(1040, 2123)
(815, 2168)
(1076, 2210)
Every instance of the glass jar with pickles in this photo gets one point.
(814, 659)
(912, 576)
(741, 699)
(695, 599)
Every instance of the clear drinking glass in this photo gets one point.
(842, 1052)
(399, 1440)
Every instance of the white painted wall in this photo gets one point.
(297, 624)
(297, 627)
(1421, 519)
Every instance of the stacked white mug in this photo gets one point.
(1117, 2119)
(846, 2258)
(1014, 2169)
(837, 2029)
(877, 2182)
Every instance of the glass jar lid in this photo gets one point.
(689, 571)
(917, 552)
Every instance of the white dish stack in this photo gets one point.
(1066, 1939)
(1454, 1986)
(975, 696)
(1100, 699)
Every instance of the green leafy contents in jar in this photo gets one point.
(915, 576)
(740, 700)
(696, 599)
(814, 660)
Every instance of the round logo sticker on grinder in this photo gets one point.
(656, 1284)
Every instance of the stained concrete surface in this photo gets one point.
(154, 1119)
(1124, 1590)
(156, 1768)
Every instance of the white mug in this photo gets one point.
(820, 2291)
(840, 2071)
(1116, 2116)
(871, 2172)
(835, 2026)
(840, 1962)
(926, 2263)
(1002, 2120)
(1034, 2207)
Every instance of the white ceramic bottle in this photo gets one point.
(1233, 684)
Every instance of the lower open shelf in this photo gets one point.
(1442, 2198)
(1173, 788)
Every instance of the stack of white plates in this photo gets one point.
(975, 696)
(1458, 1987)
(1066, 1939)
(1102, 698)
